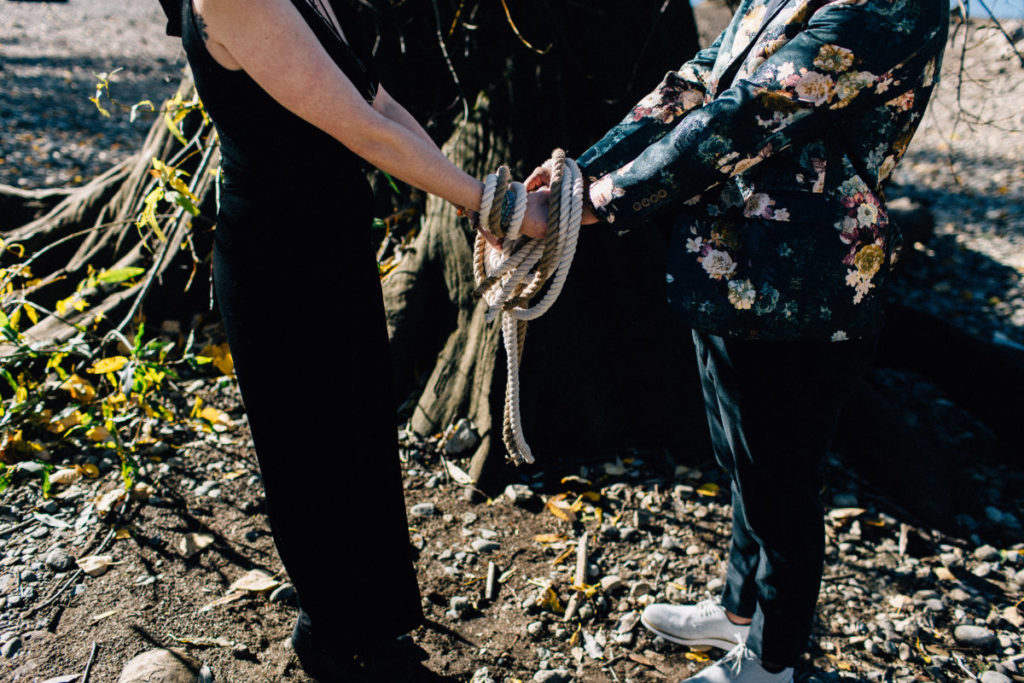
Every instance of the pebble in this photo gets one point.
(987, 553)
(519, 494)
(423, 510)
(535, 629)
(11, 647)
(59, 560)
(992, 676)
(285, 593)
(610, 583)
(482, 545)
(482, 675)
(974, 636)
(552, 676)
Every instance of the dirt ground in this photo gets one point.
(896, 594)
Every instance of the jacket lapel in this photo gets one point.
(771, 9)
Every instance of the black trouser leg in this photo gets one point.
(313, 366)
(772, 407)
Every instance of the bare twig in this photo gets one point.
(88, 666)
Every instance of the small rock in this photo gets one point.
(482, 675)
(974, 636)
(610, 583)
(934, 605)
(482, 545)
(627, 622)
(986, 553)
(11, 647)
(714, 585)
(459, 604)
(535, 629)
(285, 593)
(167, 666)
(59, 560)
(519, 494)
(463, 438)
(552, 676)
(639, 589)
(991, 676)
(423, 510)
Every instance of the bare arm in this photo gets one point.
(272, 43)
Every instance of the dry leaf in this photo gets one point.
(65, 476)
(100, 617)
(122, 533)
(97, 433)
(108, 500)
(112, 364)
(549, 538)
(220, 355)
(845, 513)
(223, 600)
(218, 419)
(550, 600)
(256, 581)
(192, 544)
(95, 565)
(142, 491)
(710, 489)
(79, 388)
(458, 475)
(558, 506)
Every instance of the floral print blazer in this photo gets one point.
(769, 151)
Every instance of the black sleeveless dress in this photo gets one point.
(296, 280)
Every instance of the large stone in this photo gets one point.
(166, 666)
(974, 636)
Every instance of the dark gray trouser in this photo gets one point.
(772, 409)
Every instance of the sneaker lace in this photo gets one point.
(707, 608)
(738, 655)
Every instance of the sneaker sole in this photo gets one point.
(721, 643)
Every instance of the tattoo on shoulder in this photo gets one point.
(201, 24)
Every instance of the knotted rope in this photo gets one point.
(509, 279)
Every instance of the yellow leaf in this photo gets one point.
(112, 364)
(89, 470)
(31, 312)
(697, 656)
(65, 423)
(591, 496)
(550, 601)
(218, 419)
(221, 356)
(549, 538)
(709, 489)
(558, 506)
(97, 433)
(122, 533)
(79, 388)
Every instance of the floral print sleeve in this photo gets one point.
(679, 92)
(848, 55)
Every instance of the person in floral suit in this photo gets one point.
(769, 153)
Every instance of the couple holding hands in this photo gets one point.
(769, 152)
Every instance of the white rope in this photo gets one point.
(509, 279)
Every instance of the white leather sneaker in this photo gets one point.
(702, 624)
(740, 665)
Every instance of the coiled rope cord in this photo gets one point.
(511, 278)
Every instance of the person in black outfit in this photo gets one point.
(299, 111)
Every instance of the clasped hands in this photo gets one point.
(535, 221)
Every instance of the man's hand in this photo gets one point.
(540, 178)
(535, 222)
